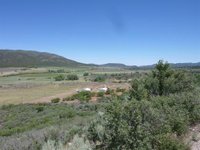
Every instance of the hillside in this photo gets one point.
(117, 65)
(175, 65)
(23, 58)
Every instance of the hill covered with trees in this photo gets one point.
(22, 58)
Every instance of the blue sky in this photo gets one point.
(134, 32)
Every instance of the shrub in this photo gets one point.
(120, 90)
(60, 71)
(71, 98)
(99, 79)
(146, 124)
(40, 108)
(59, 77)
(86, 74)
(51, 71)
(82, 96)
(53, 145)
(137, 90)
(67, 114)
(164, 81)
(197, 77)
(23, 119)
(79, 143)
(167, 142)
(55, 100)
(100, 94)
(72, 77)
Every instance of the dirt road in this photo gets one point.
(69, 92)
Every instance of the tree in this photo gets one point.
(161, 72)
(164, 81)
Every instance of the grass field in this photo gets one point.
(22, 95)
(32, 85)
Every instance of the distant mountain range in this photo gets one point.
(24, 58)
(118, 65)
(173, 65)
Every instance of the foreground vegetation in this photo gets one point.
(24, 117)
(154, 114)
(33, 124)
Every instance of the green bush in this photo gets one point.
(72, 77)
(157, 110)
(59, 77)
(40, 108)
(197, 78)
(100, 94)
(67, 114)
(167, 142)
(82, 96)
(55, 100)
(137, 90)
(138, 124)
(164, 81)
(100, 79)
(33, 118)
(86, 74)
(71, 98)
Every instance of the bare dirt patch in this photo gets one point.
(193, 137)
(72, 90)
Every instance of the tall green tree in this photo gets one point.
(161, 72)
(164, 81)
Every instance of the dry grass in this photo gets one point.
(22, 95)
(44, 93)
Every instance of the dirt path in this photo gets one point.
(193, 137)
(49, 98)
(71, 91)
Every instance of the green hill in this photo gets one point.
(23, 58)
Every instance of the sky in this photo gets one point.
(133, 32)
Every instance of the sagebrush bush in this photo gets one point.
(40, 108)
(83, 96)
(72, 77)
(53, 145)
(99, 79)
(86, 74)
(20, 118)
(59, 77)
(55, 100)
(79, 143)
(156, 111)
(168, 142)
(100, 94)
